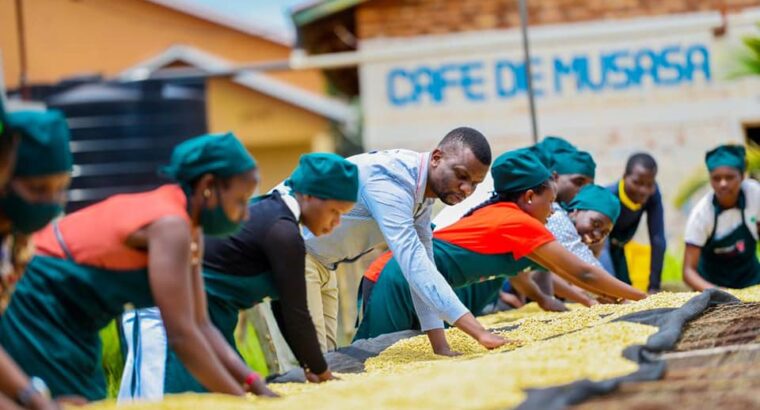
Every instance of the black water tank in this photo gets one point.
(121, 134)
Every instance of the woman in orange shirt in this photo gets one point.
(142, 250)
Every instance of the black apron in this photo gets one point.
(730, 261)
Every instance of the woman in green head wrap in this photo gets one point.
(722, 229)
(593, 211)
(36, 192)
(35, 185)
(583, 223)
(265, 259)
(326, 186)
(578, 226)
(573, 170)
(217, 173)
(141, 249)
(501, 237)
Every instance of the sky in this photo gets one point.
(270, 14)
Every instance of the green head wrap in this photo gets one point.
(325, 176)
(44, 145)
(726, 156)
(552, 144)
(575, 162)
(543, 156)
(549, 147)
(596, 198)
(518, 170)
(218, 154)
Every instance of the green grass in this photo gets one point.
(113, 362)
(672, 268)
(249, 347)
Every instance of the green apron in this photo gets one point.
(390, 308)
(51, 325)
(226, 296)
(732, 260)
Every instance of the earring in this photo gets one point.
(207, 193)
(530, 202)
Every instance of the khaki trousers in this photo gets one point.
(322, 298)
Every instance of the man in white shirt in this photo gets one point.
(397, 189)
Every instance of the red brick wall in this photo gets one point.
(408, 18)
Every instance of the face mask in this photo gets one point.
(215, 221)
(28, 217)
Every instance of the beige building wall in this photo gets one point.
(275, 132)
(69, 37)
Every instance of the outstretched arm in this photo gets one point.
(690, 274)
(14, 381)
(525, 284)
(173, 288)
(560, 261)
(568, 292)
(285, 250)
(227, 355)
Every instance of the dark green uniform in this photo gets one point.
(389, 307)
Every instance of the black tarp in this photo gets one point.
(670, 323)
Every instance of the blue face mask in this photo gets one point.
(215, 221)
(28, 217)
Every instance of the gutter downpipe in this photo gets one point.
(528, 71)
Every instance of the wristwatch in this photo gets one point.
(36, 386)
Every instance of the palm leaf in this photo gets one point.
(753, 160)
(753, 44)
(746, 60)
